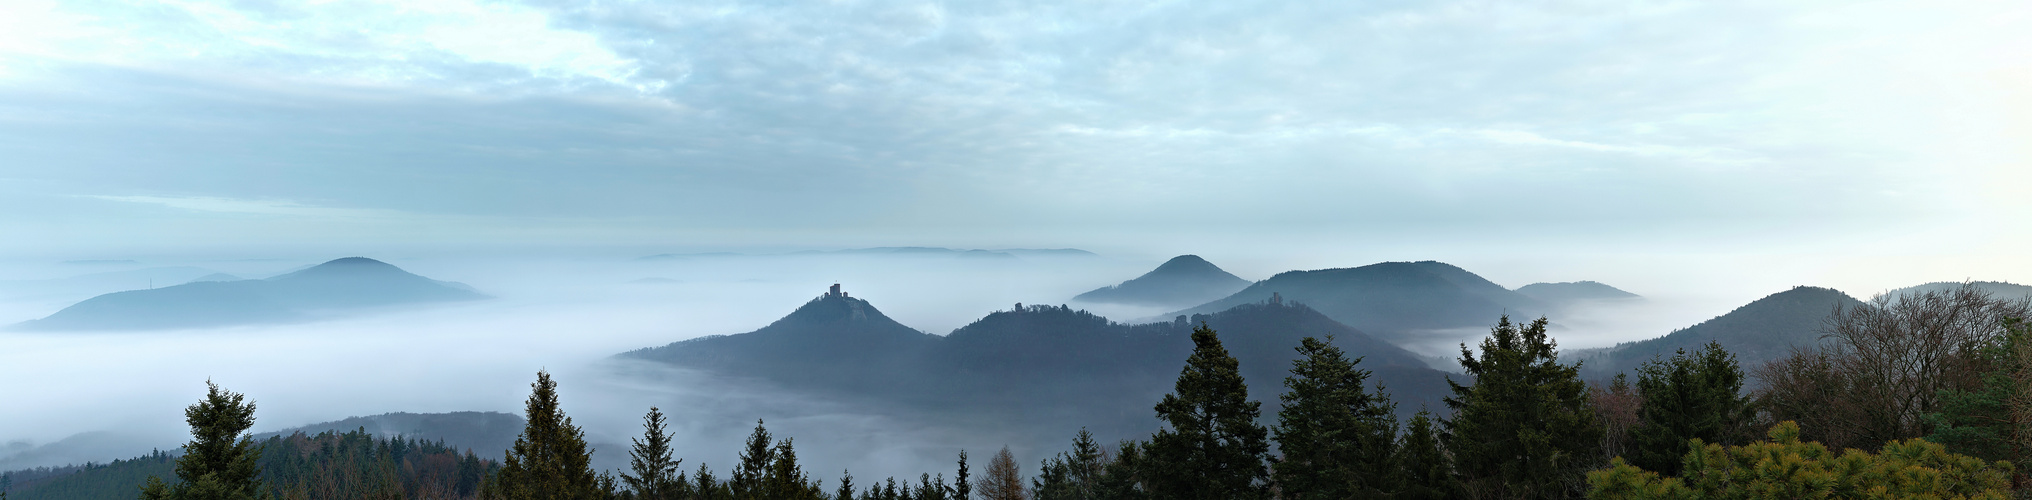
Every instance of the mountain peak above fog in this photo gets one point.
(1574, 291)
(1183, 280)
(329, 289)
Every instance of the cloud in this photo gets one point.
(257, 207)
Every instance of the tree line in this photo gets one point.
(1925, 396)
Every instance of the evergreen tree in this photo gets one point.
(1121, 478)
(220, 462)
(756, 459)
(1070, 475)
(1524, 429)
(963, 488)
(1686, 397)
(1212, 447)
(1336, 438)
(846, 491)
(656, 474)
(707, 487)
(785, 480)
(550, 460)
(1423, 468)
(1993, 421)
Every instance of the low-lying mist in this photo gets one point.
(120, 394)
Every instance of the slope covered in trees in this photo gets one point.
(1183, 280)
(1757, 333)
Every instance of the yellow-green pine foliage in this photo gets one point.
(1787, 468)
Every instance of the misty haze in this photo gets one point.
(1150, 250)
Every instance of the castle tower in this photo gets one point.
(835, 291)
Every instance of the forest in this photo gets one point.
(1923, 395)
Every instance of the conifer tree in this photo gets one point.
(1686, 397)
(747, 481)
(785, 480)
(656, 475)
(1122, 477)
(1336, 438)
(550, 459)
(963, 487)
(1212, 447)
(1070, 475)
(1524, 429)
(220, 462)
(846, 491)
(1423, 468)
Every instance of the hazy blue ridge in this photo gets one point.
(1185, 279)
(1757, 333)
(1572, 292)
(340, 286)
(1394, 301)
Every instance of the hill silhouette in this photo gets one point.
(1573, 292)
(1997, 289)
(1185, 279)
(486, 433)
(334, 287)
(1050, 366)
(1758, 332)
(1394, 301)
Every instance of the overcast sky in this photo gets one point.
(1889, 134)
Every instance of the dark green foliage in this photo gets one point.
(1426, 472)
(327, 465)
(220, 461)
(1212, 447)
(963, 486)
(846, 491)
(708, 487)
(655, 474)
(1072, 475)
(1524, 429)
(550, 460)
(1335, 437)
(1981, 422)
(756, 457)
(769, 470)
(1688, 396)
(1122, 478)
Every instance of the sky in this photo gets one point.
(1703, 153)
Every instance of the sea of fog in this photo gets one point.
(95, 396)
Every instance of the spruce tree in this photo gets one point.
(963, 487)
(784, 479)
(655, 473)
(1336, 438)
(756, 459)
(1687, 397)
(549, 460)
(220, 462)
(1424, 472)
(1212, 447)
(1122, 477)
(846, 491)
(1070, 475)
(1524, 429)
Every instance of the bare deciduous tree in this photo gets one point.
(1002, 480)
(1615, 405)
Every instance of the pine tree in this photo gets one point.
(1336, 438)
(1212, 447)
(785, 480)
(1122, 477)
(550, 460)
(846, 491)
(963, 488)
(1524, 429)
(656, 474)
(1423, 468)
(220, 462)
(1687, 397)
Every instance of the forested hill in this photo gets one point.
(325, 465)
(1565, 294)
(340, 286)
(485, 433)
(1183, 280)
(1758, 332)
(1034, 364)
(1395, 301)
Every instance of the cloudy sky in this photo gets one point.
(1862, 132)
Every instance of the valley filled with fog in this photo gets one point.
(103, 395)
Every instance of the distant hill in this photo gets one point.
(336, 287)
(488, 434)
(1006, 253)
(216, 277)
(1048, 366)
(1395, 301)
(1758, 332)
(1997, 289)
(1183, 280)
(1573, 292)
